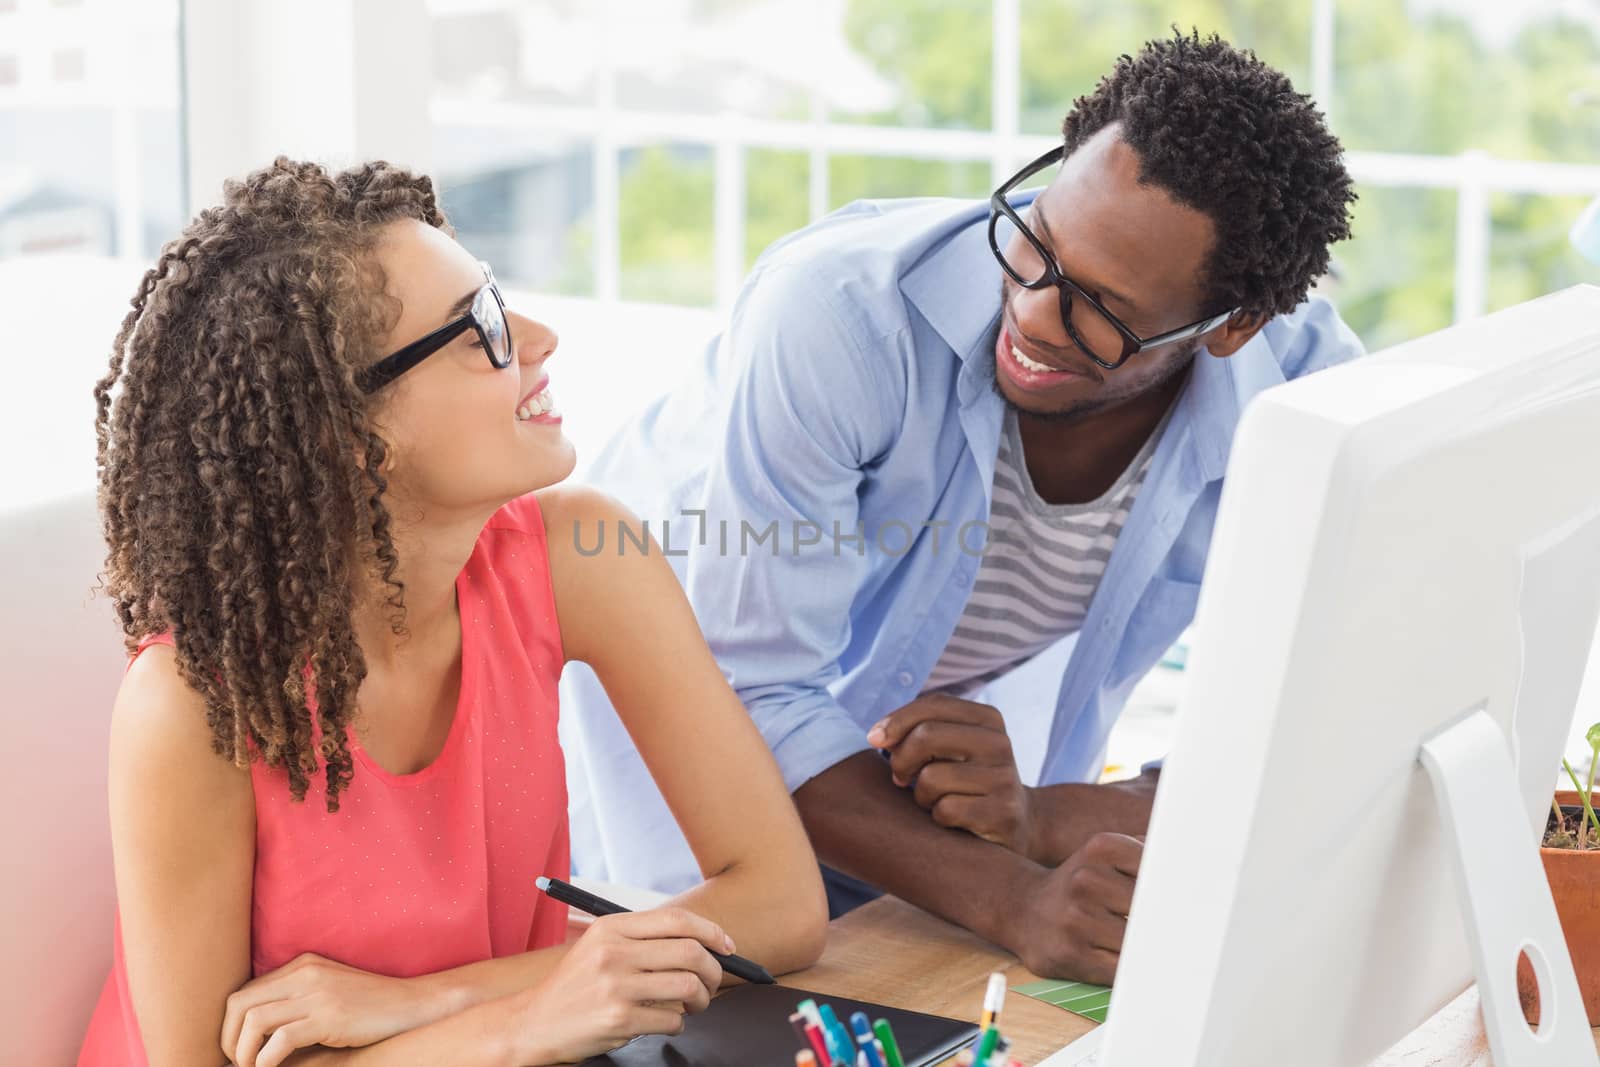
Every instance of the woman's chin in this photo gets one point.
(552, 466)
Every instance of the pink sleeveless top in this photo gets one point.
(421, 872)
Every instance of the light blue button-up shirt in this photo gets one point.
(853, 396)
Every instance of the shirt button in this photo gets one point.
(905, 679)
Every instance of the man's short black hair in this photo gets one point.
(1229, 136)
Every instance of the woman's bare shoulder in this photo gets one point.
(159, 731)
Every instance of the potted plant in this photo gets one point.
(1571, 853)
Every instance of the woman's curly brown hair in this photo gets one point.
(238, 516)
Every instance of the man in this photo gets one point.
(938, 441)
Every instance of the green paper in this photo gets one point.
(1080, 998)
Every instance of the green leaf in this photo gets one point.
(1593, 736)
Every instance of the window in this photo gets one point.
(520, 195)
(1394, 279)
(1440, 77)
(1066, 46)
(1530, 254)
(91, 176)
(1492, 103)
(67, 65)
(681, 137)
(866, 177)
(931, 63)
(665, 223)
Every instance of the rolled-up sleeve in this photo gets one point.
(817, 397)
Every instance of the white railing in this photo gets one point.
(369, 92)
(1472, 175)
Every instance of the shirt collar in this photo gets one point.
(956, 286)
(1219, 390)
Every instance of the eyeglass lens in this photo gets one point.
(491, 318)
(1088, 327)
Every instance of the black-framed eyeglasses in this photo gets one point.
(1103, 337)
(486, 314)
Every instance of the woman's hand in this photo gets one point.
(631, 974)
(315, 1001)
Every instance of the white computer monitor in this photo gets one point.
(1406, 560)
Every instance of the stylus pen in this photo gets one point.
(574, 897)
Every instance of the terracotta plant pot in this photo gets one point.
(1575, 884)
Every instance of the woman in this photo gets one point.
(349, 590)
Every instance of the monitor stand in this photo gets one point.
(1505, 899)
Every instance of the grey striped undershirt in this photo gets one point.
(1039, 572)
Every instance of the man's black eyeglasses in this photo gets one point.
(1103, 337)
(486, 314)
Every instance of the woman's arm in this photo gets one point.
(183, 838)
(183, 842)
(627, 617)
(628, 975)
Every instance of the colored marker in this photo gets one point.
(1001, 1054)
(837, 1053)
(986, 1044)
(841, 1036)
(824, 1040)
(810, 1035)
(994, 999)
(840, 1046)
(819, 1043)
(891, 1048)
(864, 1038)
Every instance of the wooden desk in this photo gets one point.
(894, 954)
(891, 953)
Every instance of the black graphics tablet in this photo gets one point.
(749, 1027)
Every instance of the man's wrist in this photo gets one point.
(1017, 882)
(1056, 817)
(1043, 825)
(1062, 817)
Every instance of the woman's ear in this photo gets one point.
(1232, 335)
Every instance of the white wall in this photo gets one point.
(332, 80)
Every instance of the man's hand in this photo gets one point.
(1063, 921)
(1071, 921)
(957, 759)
